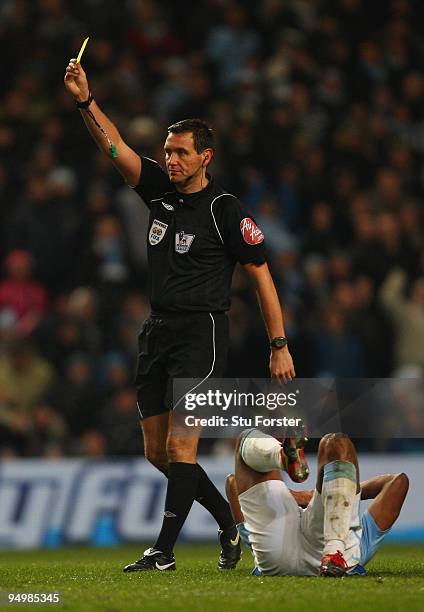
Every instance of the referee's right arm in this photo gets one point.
(127, 161)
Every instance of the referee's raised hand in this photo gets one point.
(76, 81)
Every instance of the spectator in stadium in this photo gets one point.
(46, 223)
(20, 294)
(337, 352)
(25, 377)
(92, 444)
(75, 393)
(47, 434)
(407, 314)
(71, 327)
(8, 330)
(118, 423)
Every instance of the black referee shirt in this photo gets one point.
(193, 242)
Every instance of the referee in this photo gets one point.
(197, 233)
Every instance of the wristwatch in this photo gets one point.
(85, 103)
(278, 342)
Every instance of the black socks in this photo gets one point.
(182, 488)
(187, 482)
(210, 498)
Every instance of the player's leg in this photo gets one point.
(245, 477)
(201, 355)
(181, 449)
(295, 463)
(151, 381)
(231, 492)
(194, 344)
(187, 482)
(161, 449)
(257, 459)
(381, 514)
(267, 516)
(155, 434)
(264, 453)
(181, 469)
(338, 483)
(327, 520)
(336, 447)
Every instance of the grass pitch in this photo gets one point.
(91, 579)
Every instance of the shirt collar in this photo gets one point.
(192, 198)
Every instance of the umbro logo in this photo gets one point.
(168, 206)
(169, 514)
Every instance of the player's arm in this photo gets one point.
(281, 363)
(127, 161)
(372, 487)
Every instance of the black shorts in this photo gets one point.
(193, 345)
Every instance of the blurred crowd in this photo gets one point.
(318, 110)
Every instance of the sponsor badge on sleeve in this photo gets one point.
(250, 231)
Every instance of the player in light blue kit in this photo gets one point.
(310, 533)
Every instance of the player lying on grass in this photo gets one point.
(310, 533)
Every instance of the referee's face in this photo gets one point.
(185, 166)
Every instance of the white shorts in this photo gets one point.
(287, 540)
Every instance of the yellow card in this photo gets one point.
(81, 51)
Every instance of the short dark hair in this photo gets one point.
(203, 135)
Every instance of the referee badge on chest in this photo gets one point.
(183, 241)
(157, 232)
